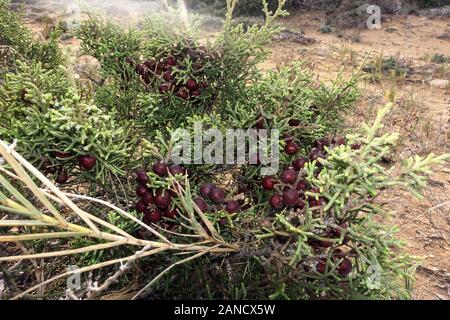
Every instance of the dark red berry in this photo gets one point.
(300, 204)
(165, 87)
(163, 198)
(302, 185)
(232, 206)
(276, 201)
(191, 84)
(196, 93)
(289, 176)
(153, 216)
(171, 61)
(294, 122)
(223, 222)
(291, 148)
(338, 231)
(299, 163)
(140, 69)
(201, 204)
(205, 189)
(52, 170)
(158, 68)
(217, 195)
(160, 168)
(315, 190)
(192, 53)
(261, 124)
(321, 267)
(141, 176)
(345, 267)
(338, 253)
(313, 202)
(146, 76)
(168, 76)
(355, 146)
(148, 198)
(325, 244)
(149, 64)
(176, 169)
(129, 61)
(315, 154)
(141, 172)
(183, 93)
(140, 206)
(141, 190)
(87, 162)
(170, 213)
(269, 183)
(62, 178)
(340, 141)
(290, 197)
(321, 143)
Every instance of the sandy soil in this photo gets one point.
(424, 224)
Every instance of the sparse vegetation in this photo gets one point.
(439, 58)
(382, 67)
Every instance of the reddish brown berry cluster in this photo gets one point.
(166, 72)
(156, 203)
(290, 187)
(344, 267)
(213, 199)
(86, 162)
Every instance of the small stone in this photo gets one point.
(440, 83)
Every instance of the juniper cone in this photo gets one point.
(205, 189)
(217, 195)
(201, 204)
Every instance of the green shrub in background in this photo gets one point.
(14, 34)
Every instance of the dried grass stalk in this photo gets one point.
(32, 216)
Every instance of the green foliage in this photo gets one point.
(42, 111)
(243, 7)
(325, 28)
(228, 67)
(110, 45)
(290, 94)
(15, 34)
(243, 48)
(97, 256)
(164, 31)
(439, 58)
(350, 180)
(30, 92)
(428, 3)
(83, 128)
(381, 66)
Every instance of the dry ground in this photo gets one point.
(422, 115)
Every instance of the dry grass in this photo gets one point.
(54, 215)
